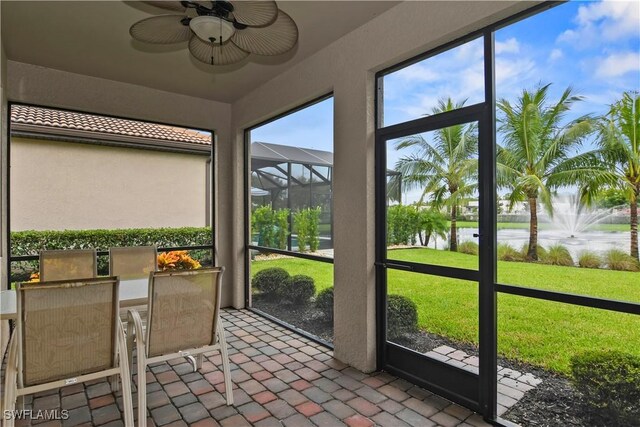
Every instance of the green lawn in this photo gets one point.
(535, 331)
(544, 226)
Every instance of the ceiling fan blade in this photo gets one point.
(169, 5)
(274, 39)
(214, 54)
(255, 13)
(165, 29)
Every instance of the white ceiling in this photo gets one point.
(93, 38)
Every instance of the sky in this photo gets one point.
(592, 46)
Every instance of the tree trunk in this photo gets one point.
(532, 251)
(453, 241)
(634, 223)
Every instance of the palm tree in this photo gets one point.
(534, 159)
(616, 160)
(444, 168)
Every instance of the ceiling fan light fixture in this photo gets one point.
(212, 28)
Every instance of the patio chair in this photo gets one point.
(68, 264)
(67, 332)
(133, 262)
(184, 321)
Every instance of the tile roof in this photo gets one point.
(51, 119)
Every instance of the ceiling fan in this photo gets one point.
(220, 32)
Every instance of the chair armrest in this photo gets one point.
(134, 317)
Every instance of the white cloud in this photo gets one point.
(604, 21)
(508, 71)
(555, 55)
(618, 64)
(419, 73)
(510, 46)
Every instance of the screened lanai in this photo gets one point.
(293, 178)
(494, 334)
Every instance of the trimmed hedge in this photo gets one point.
(402, 316)
(300, 289)
(32, 242)
(610, 383)
(324, 303)
(270, 282)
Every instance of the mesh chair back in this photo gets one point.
(183, 310)
(68, 264)
(68, 328)
(132, 262)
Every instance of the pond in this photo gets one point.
(597, 241)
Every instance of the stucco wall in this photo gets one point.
(347, 67)
(59, 185)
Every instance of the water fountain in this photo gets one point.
(572, 216)
(571, 225)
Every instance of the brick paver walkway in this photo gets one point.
(512, 384)
(280, 379)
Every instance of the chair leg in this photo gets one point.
(130, 338)
(114, 380)
(10, 384)
(193, 362)
(142, 383)
(199, 360)
(225, 364)
(125, 376)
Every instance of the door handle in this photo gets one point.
(394, 265)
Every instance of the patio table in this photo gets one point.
(132, 293)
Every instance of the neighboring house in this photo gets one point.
(81, 171)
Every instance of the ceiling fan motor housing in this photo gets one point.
(211, 28)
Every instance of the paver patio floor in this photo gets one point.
(280, 379)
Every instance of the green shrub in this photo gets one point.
(620, 260)
(262, 223)
(314, 231)
(299, 289)
(431, 223)
(588, 259)
(402, 316)
(301, 227)
(271, 226)
(324, 303)
(32, 242)
(402, 225)
(468, 247)
(306, 222)
(281, 219)
(270, 281)
(610, 383)
(506, 252)
(557, 255)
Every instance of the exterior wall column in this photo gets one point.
(4, 172)
(354, 220)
